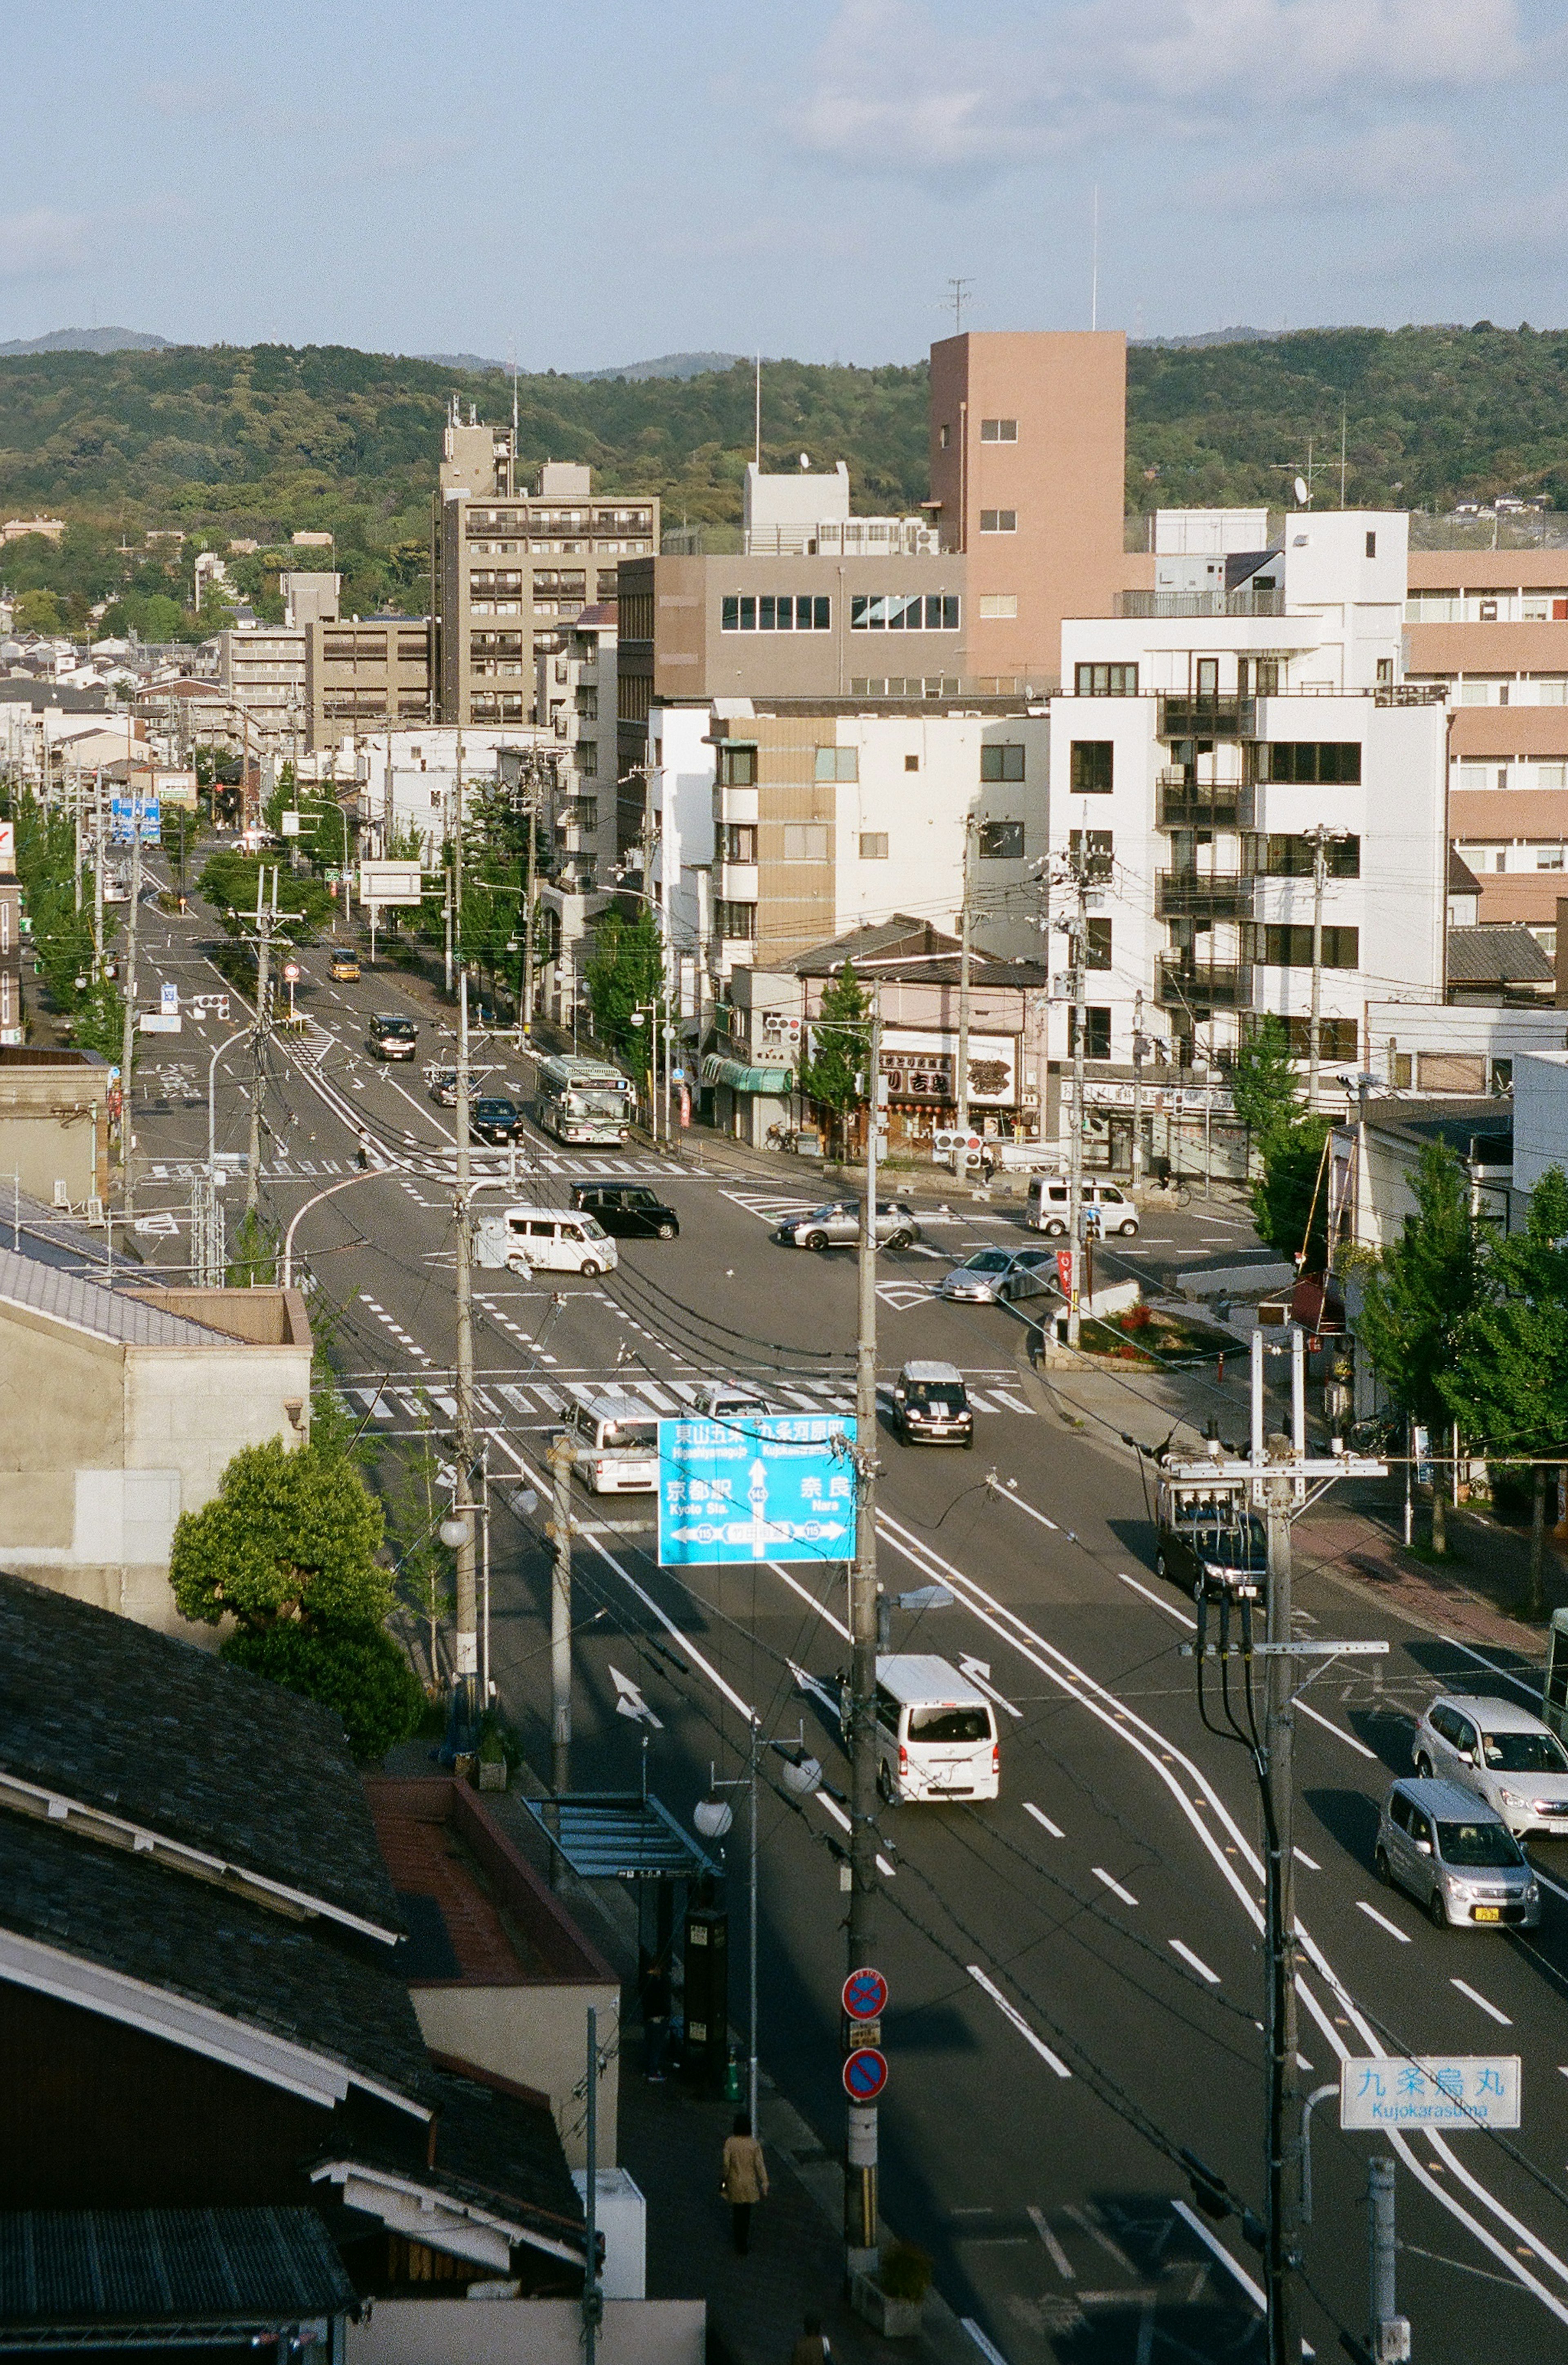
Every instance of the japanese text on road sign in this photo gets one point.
(1430, 2091)
(779, 1487)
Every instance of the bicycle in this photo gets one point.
(781, 1137)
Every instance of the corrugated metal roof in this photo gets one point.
(1496, 955)
(88, 1305)
(141, 2267)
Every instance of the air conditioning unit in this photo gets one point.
(61, 1191)
(1031, 1096)
(94, 1211)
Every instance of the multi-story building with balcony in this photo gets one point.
(261, 670)
(370, 673)
(579, 839)
(511, 571)
(1193, 754)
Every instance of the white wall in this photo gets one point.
(1540, 1117)
(795, 497)
(526, 2332)
(680, 790)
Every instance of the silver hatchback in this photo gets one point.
(997, 1276)
(1456, 1856)
(836, 1225)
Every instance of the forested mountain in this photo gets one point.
(226, 441)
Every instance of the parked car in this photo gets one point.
(837, 1224)
(931, 1406)
(494, 1118)
(628, 1209)
(1456, 1856)
(997, 1276)
(393, 1038)
(1050, 1204)
(1502, 1755)
(343, 969)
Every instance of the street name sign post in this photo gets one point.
(1436, 2090)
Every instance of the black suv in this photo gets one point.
(494, 1118)
(393, 1038)
(628, 1209)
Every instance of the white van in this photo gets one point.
(615, 1443)
(1049, 1202)
(935, 1733)
(545, 1239)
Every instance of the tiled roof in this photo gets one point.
(151, 1729)
(913, 952)
(1496, 955)
(143, 2268)
(88, 1305)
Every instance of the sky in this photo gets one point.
(592, 186)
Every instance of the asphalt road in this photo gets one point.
(1075, 1971)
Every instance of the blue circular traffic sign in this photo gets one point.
(865, 1995)
(865, 2073)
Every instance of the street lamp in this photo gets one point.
(713, 1817)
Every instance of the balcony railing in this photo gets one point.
(1206, 895)
(1247, 600)
(1186, 714)
(1180, 803)
(1181, 987)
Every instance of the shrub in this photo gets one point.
(905, 2272)
(357, 1669)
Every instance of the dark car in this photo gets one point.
(443, 1086)
(393, 1038)
(494, 1118)
(630, 1210)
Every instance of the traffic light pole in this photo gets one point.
(465, 1678)
(861, 2135)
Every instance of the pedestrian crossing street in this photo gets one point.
(538, 1404)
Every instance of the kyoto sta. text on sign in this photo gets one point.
(772, 1487)
(1436, 2089)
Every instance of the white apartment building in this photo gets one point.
(261, 669)
(1195, 746)
(410, 781)
(575, 705)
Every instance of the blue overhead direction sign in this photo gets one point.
(776, 1486)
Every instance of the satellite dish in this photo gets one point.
(1302, 494)
(805, 459)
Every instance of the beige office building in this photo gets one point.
(365, 675)
(510, 572)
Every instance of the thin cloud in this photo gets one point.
(42, 242)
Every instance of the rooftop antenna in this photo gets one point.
(958, 295)
(1094, 264)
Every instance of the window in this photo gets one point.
(737, 768)
(1005, 762)
(1371, 546)
(1105, 680)
(1094, 767)
(735, 922)
(1208, 676)
(904, 612)
(998, 520)
(1258, 676)
(1096, 1032)
(588, 759)
(945, 437)
(775, 612)
(1333, 762)
(738, 842)
(1386, 669)
(838, 764)
(1277, 857)
(1548, 857)
(1091, 852)
(1002, 841)
(998, 430)
(806, 841)
(912, 763)
(1097, 946)
(873, 846)
(997, 607)
(1338, 1038)
(1291, 947)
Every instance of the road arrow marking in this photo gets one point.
(630, 1701)
(979, 1673)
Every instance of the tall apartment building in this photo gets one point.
(1195, 748)
(1491, 628)
(510, 571)
(260, 669)
(365, 675)
(576, 702)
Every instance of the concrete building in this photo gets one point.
(1193, 752)
(372, 672)
(260, 669)
(576, 704)
(511, 571)
(54, 1119)
(309, 597)
(122, 1410)
(409, 780)
(1491, 628)
(10, 948)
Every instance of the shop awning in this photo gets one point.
(778, 1082)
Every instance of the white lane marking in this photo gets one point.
(1168, 1607)
(988, 2349)
(820, 1608)
(1114, 1885)
(1197, 1961)
(1101, 1703)
(1477, 1997)
(831, 1807)
(1055, 1830)
(1530, 1691)
(1008, 1495)
(1058, 2256)
(1302, 1856)
(1216, 2248)
(1382, 1922)
(979, 1673)
(1336, 1729)
(1555, 1886)
(1010, 2012)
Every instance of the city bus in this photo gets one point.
(584, 1100)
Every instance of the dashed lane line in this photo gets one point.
(1477, 1997)
(1114, 1885)
(1197, 1962)
(1382, 1922)
(1043, 1820)
(1010, 2012)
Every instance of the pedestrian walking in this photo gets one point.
(811, 2348)
(744, 2182)
(362, 1153)
(656, 2022)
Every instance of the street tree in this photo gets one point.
(834, 1074)
(626, 974)
(1290, 1205)
(1263, 1083)
(1508, 1383)
(290, 1538)
(1426, 1285)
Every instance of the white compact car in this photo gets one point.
(1500, 1752)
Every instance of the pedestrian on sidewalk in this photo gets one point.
(744, 2182)
(655, 2020)
(811, 2348)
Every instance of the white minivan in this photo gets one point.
(545, 1239)
(935, 1733)
(1050, 1205)
(614, 1440)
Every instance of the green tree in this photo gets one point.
(1508, 1383)
(289, 1537)
(832, 1074)
(1263, 1083)
(252, 1254)
(1423, 1293)
(37, 611)
(360, 1671)
(625, 973)
(1290, 1205)
(418, 1504)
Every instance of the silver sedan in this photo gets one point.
(997, 1276)
(837, 1224)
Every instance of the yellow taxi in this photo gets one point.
(343, 969)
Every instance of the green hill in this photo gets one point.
(226, 441)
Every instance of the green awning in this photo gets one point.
(778, 1082)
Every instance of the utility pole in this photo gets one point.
(127, 1033)
(466, 1672)
(860, 2145)
(560, 1460)
(1320, 840)
(1135, 1162)
(963, 1076)
(1390, 2331)
(98, 874)
(1076, 928)
(525, 996)
(266, 920)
